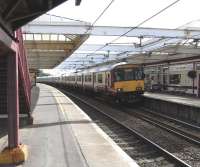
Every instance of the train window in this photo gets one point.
(79, 78)
(138, 74)
(198, 66)
(128, 74)
(88, 78)
(100, 78)
(94, 75)
(174, 78)
(119, 75)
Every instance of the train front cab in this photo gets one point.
(127, 83)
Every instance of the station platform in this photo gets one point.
(62, 135)
(189, 101)
(184, 108)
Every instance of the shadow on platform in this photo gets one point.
(3, 131)
(35, 92)
(59, 123)
(54, 104)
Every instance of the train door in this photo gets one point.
(105, 81)
(108, 80)
(199, 86)
(82, 80)
(165, 73)
(93, 79)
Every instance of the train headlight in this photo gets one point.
(138, 88)
(119, 90)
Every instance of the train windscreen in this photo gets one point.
(128, 74)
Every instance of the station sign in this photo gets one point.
(198, 66)
(181, 67)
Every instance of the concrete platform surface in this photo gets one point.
(188, 101)
(64, 136)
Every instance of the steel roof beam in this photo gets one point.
(10, 9)
(66, 28)
(48, 45)
(179, 49)
(55, 54)
(45, 57)
(84, 48)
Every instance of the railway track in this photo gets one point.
(187, 131)
(180, 128)
(144, 151)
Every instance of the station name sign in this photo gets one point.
(181, 67)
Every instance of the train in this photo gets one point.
(121, 82)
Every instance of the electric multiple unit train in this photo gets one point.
(121, 81)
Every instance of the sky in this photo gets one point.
(131, 13)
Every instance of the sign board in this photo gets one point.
(181, 67)
(198, 66)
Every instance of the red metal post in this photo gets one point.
(13, 101)
(199, 86)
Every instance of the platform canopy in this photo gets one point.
(121, 42)
(46, 50)
(16, 13)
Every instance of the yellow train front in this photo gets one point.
(127, 82)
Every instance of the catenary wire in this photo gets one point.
(67, 18)
(146, 20)
(101, 14)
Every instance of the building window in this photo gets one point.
(175, 78)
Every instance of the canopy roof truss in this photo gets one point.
(16, 13)
(49, 50)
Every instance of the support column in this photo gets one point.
(15, 153)
(13, 101)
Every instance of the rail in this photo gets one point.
(168, 155)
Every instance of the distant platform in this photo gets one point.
(188, 101)
(62, 135)
(184, 108)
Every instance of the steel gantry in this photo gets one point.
(37, 27)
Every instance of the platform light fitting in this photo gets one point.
(77, 2)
